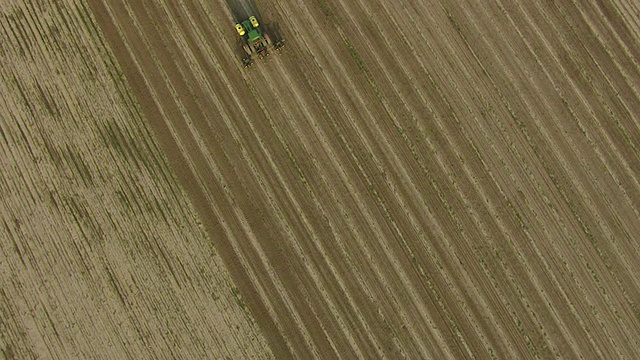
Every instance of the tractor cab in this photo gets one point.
(254, 35)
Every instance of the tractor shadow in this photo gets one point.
(242, 9)
(273, 29)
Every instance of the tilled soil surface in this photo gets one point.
(102, 256)
(419, 179)
(422, 179)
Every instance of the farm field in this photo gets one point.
(101, 255)
(420, 179)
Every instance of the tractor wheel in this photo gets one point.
(247, 49)
(252, 48)
(267, 40)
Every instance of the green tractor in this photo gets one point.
(255, 41)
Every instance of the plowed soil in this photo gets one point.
(422, 179)
(101, 254)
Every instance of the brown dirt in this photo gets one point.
(101, 253)
(470, 189)
(423, 179)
